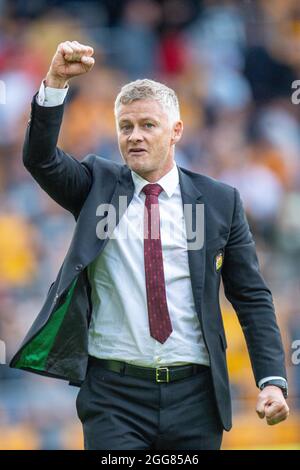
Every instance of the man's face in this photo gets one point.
(146, 138)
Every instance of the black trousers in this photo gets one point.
(121, 412)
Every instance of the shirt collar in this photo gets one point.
(168, 182)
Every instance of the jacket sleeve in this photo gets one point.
(64, 178)
(252, 300)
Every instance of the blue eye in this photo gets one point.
(149, 124)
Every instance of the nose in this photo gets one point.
(136, 135)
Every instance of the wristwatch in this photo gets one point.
(277, 383)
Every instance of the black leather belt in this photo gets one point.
(158, 374)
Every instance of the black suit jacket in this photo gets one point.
(56, 344)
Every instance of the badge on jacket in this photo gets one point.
(219, 258)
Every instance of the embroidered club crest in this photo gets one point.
(219, 260)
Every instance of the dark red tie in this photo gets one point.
(159, 319)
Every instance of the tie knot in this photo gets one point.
(152, 189)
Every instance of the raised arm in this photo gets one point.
(64, 178)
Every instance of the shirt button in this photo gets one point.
(79, 267)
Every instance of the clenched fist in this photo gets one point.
(272, 405)
(70, 60)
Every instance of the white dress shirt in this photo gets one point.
(119, 327)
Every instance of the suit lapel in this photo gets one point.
(121, 198)
(192, 196)
(123, 193)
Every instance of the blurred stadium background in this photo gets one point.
(233, 64)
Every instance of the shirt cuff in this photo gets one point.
(266, 379)
(48, 96)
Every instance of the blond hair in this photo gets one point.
(149, 89)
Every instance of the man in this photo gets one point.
(133, 316)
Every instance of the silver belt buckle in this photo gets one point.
(167, 375)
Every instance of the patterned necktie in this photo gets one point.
(159, 320)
